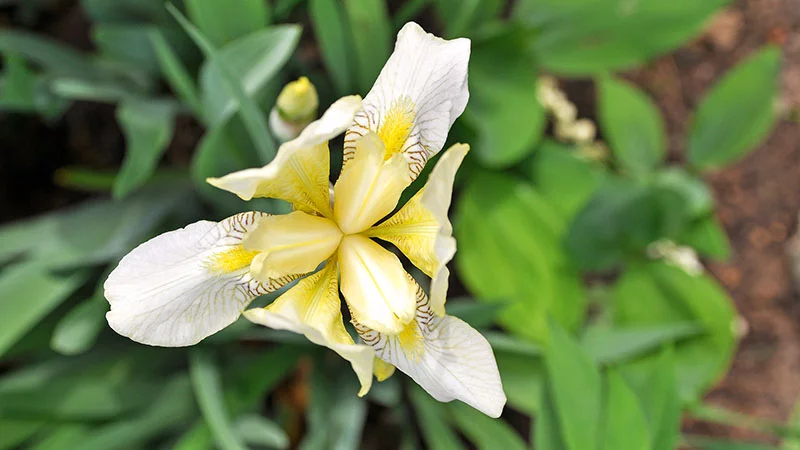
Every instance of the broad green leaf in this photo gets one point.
(476, 314)
(483, 431)
(738, 113)
(126, 44)
(582, 37)
(96, 91)
(14, 432)
(565, 179)
(609, 345)
(62, 436)
(467, 17)
(335, 414)
(576, 387)
(547, 434)
(632, 124)
(19, 238)
(208, 392)
(78, 330)
(503, 109)
(18, 85)
(222, 22)
(148, 127)
(98, 231)
(622, 219)
(175, 73)
(257, 430)
(252, 116)
(126, 11)
(335, 42)
(625, 425)
(29, 292)
(172, 409)
(509, 252)
(431, 417)
(695, 192)
(658, 294)
(707, 236)
(369, 22)
(55, 58)
(523, 376)
(252, 61)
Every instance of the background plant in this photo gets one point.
(569, 247)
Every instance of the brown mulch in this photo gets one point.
(758, 203)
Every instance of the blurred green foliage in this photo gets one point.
(600, 341)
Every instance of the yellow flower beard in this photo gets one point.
(397, 125)
(411, 341)
(232, 260)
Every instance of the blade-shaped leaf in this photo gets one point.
(432, 421)
(625, 426)
(738, 113)
(483, 431)
(369, 22)
(222, 22)
(335, 41)
(632, 124)
(208, 392)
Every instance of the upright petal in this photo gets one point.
(375, 285)
(185, 285)
(291, 243)
(418, 95)
(370, 187)
(422, 230)
(444, 355)
(312, 308)
(300, 171)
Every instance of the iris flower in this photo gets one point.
(187, 284)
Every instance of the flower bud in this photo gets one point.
(296, 107)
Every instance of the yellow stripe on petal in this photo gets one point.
(397, 125)
(312, 308)
(413, 230)
(231, 260)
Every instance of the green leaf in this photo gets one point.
(256, 430)
(738, 113)
(15, 432)
(476, 314)
(29, 293)
(127, 44)
(622, 219)
(707, 236)
(369, 22)
(335, 415)
(625, 422)
(697, 196)
(78, 330)
(575, 385)
(148, 127)
(18, 84)
(252, 116)
(659, 294)
(463, 18)
(208, 392)
(55, 58)
(564, 179)
(658, 392)
(432, 421)
(253, 61)
(171, 409)
(582, 37)
(704, 443)
(223, 23)
(63, 436)
(126, 11)
(523, 376)
(547, 434)
(335, 41)
(608, 345)
(483, 431)
(175, 73)
(793, 443)
(504, 109)
(509, 252)
(632, 125)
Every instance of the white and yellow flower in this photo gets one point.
(185, 285)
